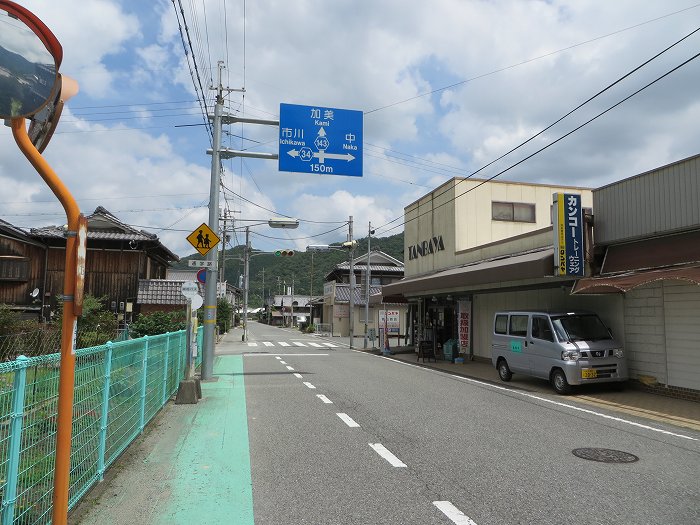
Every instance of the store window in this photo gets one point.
(512, 211)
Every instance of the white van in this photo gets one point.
(568, 348)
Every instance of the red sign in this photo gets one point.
(202, 275)
(465, 308)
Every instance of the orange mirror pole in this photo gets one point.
(68, 329)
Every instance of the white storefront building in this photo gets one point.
(475, 247)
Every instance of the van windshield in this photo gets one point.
(581, 327)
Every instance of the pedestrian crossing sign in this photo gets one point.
(203, 239)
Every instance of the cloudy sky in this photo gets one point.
(447, 86)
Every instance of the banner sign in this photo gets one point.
(567, 218)
(464, 324)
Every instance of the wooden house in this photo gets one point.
(118, 256)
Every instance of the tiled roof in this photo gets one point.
(161, 291)
(342, 293)
(373, 267)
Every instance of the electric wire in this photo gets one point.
(543, 148)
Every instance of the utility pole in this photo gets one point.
(212, 273)
(368, 278)
(246, 271)
(291, 319)
(352, 283)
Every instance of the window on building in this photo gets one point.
(513, 211)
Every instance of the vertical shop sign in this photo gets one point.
(568, 234)
(465, 328)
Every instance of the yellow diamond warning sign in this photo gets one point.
(203, 239)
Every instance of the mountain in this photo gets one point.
(274, 273)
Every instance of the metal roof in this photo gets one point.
(342, 293)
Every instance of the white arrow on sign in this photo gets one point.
(322, 155)
(322, 132)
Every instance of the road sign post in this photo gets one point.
(326, 141)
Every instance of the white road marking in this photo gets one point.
(257, 354)
(312, 387)
(268, 343)
(558, 403)
(278, 357)
(331, 345)
(384, 452)
(316, 345)
(298, 343)
(298, 376)
(324, 399)
(283, 362)
(283, 343)
(347, 419)
(457, 516)
(290, 368)
(252, 344)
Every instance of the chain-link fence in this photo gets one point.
(48, 341)
(119, 388)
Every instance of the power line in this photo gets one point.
(544, 147)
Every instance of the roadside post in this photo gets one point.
(40, 95)
(189, 389)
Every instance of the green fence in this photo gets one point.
(119, 388)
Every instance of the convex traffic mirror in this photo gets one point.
(30, 57)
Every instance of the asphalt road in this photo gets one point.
(391, 443)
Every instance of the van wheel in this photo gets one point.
(559, 382)
(504, 371)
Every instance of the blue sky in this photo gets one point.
(447, 86)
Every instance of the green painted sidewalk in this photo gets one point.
(192, 466)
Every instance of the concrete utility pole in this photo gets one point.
(246, 271)
(352, 283)
(212, 273)
(368, 277)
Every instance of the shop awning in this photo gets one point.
(650, 254)
(533, 265)
(625, 282)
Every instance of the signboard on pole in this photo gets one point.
(567, 218)
(314, 139)
(203, 239)
(390, 319)
(196, 263)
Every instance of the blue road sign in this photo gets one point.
(327, 141)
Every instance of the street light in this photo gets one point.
(275, 222)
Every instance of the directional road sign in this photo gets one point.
(203, 239)
(314, 139)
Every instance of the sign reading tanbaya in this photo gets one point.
(426, 247)
(568, 234)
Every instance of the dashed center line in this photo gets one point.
(384, 452)
(298, 376)
(312, 387)
(283, 362)
(457, 516)
(324, 399)
(347, 419)
(290, 368)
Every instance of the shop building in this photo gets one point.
(477, 247)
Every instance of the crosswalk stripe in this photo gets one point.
(252, 344)
(268, 343)
(331, 345)
(298, 343)
(282, 343)
(316, 345)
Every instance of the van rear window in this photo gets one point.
(501, 325)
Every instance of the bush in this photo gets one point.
(158, 323)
